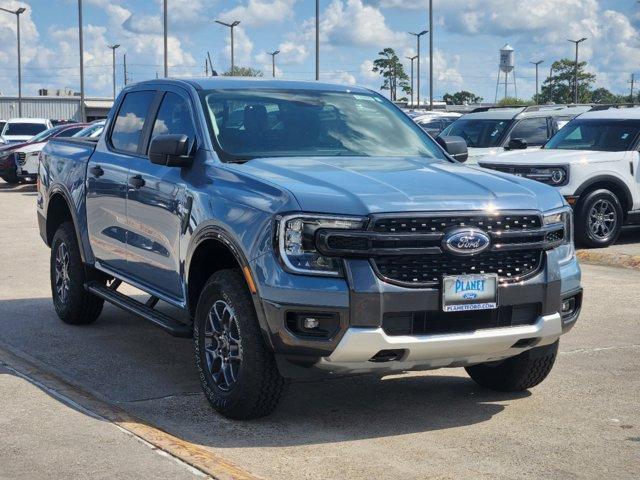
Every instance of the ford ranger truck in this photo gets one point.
(594, 163)
(303, 231)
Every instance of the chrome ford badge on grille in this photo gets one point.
(466, 241)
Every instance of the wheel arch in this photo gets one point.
(59, 210)
(614, 184)
(214, 242)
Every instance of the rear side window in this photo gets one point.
(69, 132)
(127, 129)
(174, 117)
(533, 130)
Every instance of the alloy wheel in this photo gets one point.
(603, 219)
(222, 345)
(63, 282)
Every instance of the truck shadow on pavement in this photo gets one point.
(20, 187)
(135, 366)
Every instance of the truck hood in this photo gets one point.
(552, 157)
(364, 185)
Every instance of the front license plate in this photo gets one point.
(469, 292)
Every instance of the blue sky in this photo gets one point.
(468, 34)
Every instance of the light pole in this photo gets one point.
(537, 64)
(431, 54)
(113, 54)
(231, 26)
(317, 40)
(17, 13)
(418, 35)
(273, 61)
(166, 40)
(81, 48)
(412, 59)
(575, 71)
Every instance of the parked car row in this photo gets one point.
(19, 159)
(590, 154)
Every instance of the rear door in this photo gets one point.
(107, 176)
(157, 202)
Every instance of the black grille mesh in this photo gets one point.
(429, 269)
(442, 223)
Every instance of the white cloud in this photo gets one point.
(338, 76)
(351, 22)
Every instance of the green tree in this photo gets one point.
(558, 88)
(461, 98)
(392, 71)
(512, 101)
(602, 95)
(243, 72)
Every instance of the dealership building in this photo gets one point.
(63, 107)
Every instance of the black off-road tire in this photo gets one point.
(258, 385)
(78, 306)
(517, 373)
(584, 235)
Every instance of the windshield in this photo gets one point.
(478, 133)
(600, 135)
(255, 123)
(23, 129)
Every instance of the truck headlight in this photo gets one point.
(554, 176)
(297, 242)
(562, 217)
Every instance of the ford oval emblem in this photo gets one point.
(466, 241)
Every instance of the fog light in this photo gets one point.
(311, 323)
(567, 305)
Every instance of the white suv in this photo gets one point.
(489, 131)
(594, 162)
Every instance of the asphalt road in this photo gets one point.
(582, 422)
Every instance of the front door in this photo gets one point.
(107, 176)
(157, 204)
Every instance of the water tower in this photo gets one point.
(507, 66)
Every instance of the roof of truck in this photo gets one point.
(215, 83)
(535, 111)
(632, 113)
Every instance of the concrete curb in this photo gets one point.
(609, 259)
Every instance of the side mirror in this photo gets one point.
(171, 150)
(454, 146)
(517, 144)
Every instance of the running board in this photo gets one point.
(146, 311)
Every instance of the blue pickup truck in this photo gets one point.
(306, 230)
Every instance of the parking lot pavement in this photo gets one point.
(582, 422)
(625, 253)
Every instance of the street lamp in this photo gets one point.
(412, 59)
(537, 64)
(431, 55)
(165, 39)
(273, 61)
(317, 40)
(575, 71)
(231, 26)
(81, 49)
(17, 13)
(113, 53)
(418, 35)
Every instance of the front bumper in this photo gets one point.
(359, 345)
(361, 301)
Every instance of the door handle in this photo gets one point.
(137, 181)
(96, 171)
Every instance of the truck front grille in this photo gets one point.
(426, 270)
(409, 250)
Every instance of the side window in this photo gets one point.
(174, 117)
(533, 130)
(127, 128)
(69, 132)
